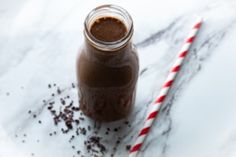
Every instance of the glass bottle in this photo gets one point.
(107, 65)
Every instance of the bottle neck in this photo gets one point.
(115, 12)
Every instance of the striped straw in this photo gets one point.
(155, 107)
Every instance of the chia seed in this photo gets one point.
(58, 91)
(128, 147)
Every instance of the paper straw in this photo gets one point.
(155, 107)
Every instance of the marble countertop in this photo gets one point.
(39, 40)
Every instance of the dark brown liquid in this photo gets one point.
(108, 29)
(107, 79)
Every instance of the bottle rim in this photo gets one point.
(108, 10)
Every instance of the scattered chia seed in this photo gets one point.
(53, 112)
(81, 118)
(75, 108)
(77, 122)
(58, 91)
(89, 127)
(95, 142)
(70, 105)
(50, 107)
(69, 125)
(128, 147)
(88, 147)
(77, 132)
(64, 111)
(83, 131)
(73, 85)
(51, 103)
(63, 102)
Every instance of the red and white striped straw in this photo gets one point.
(155, 107)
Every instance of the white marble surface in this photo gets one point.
(39, 40)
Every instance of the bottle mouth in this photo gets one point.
(112, 11)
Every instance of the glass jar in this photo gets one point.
(107, 65)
